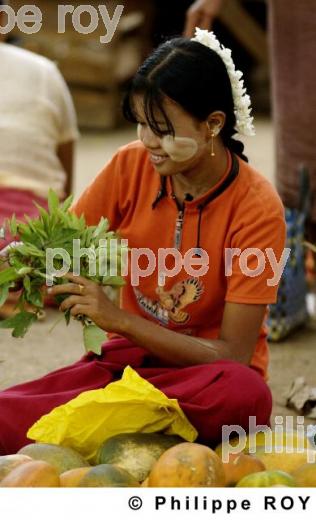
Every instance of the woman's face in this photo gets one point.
(172, 155)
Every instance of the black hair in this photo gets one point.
(193, 76)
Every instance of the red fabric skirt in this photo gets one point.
(213, 395)
(20, 203)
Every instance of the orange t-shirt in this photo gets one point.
(247, 214)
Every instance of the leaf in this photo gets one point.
(35, 234)
(27, 319)
(63, 238)
(4, 292)
(24, 271)
(67, 203)
(15, 262)
(32, 224)
(40, 231)
(43, 276)
(13, 226)
(115, 281)
(102, 227)
(53, 201)
(20, 323)
(8, 275)
(67, 316)
(35, 297)
(27, 284)
(59, 298)
(28, 249)
(93, 338)
(23, 229)
(43, 213)
(87, 237)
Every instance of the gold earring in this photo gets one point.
(212, 145)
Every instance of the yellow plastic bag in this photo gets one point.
(131, 404)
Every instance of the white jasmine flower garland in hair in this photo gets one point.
(242, 101)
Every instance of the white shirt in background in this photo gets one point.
(36, 116)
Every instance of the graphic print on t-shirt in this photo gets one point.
(171, 304)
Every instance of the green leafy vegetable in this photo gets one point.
(55, 231)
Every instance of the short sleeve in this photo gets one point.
(255, 250)
(59, 94)
(102, 197)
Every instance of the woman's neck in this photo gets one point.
(202, 177)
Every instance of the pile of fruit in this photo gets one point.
(157, 460)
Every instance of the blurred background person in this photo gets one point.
(293, 52)
(38, 129)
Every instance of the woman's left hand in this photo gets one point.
(88, 298)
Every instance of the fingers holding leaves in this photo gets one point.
(70, 302)
(66, 288)
(78, 310)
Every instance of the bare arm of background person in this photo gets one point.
(201, 14)
(65, 154)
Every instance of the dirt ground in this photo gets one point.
(42, 351)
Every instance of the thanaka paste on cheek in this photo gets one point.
(179, 149)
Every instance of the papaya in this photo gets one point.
(284, 461)
(35, 473)
(188, 465)
(72, 477)
(61, 457)
(107, 475)
(240, 465)
(267, 479)
(136, 452)
(9, 462)
(305, 475)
